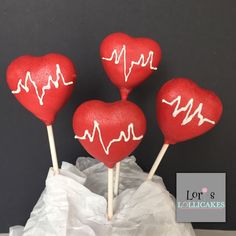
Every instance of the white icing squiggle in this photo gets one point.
(28, 78)
(140, 62)
(188, 118)
(96, 128)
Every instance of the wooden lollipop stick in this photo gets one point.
(110, 194)
(157, 161)
(117, 179)
(53, 149)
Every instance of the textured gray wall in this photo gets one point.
(198, 40)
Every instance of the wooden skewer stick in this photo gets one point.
(157, 161)
(110, 194)
(53, 149)
(117, 179)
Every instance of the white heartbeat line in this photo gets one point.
(188, 108)
(28, 78)
(140, 62)
(122, 135)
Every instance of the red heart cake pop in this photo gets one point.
(109, 131)
(185, 111)
(42, 84)
(129, 61)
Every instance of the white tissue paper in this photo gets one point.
(74, 204)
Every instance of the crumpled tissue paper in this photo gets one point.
(74, 203)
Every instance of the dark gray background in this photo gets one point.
(198, 41)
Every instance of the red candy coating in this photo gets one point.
(42, 84)
(109, 131)
(185, 110)
(129, 61)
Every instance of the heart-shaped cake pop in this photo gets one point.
(109, 131)
(42, 84)
(129, 61)
(185, 110)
